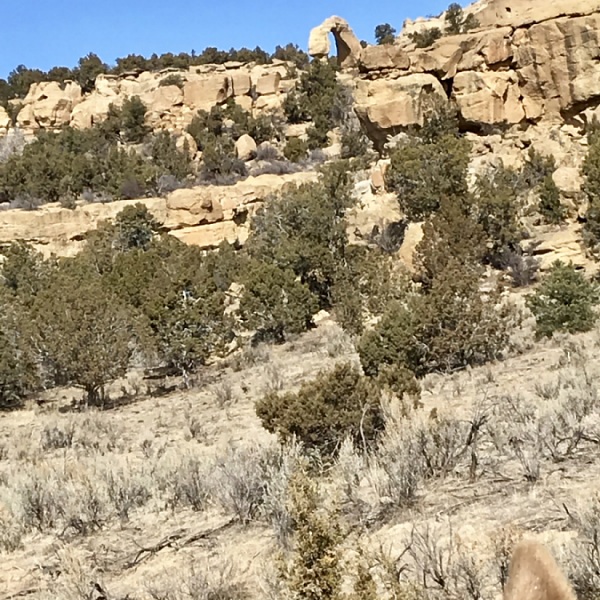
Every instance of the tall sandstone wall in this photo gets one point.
(529, 62)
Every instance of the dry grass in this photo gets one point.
(184, 496)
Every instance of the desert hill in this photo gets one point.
(279, 328)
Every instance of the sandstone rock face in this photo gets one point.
(384, 105)
(92, 110)
(529, 62)
(48, 106)
(499, 13)
(267, 84)
(490, 97)
(348, 45)
(4, 119)
(245, 147)
(203, 216)
(379, 58)
(253, 87)
(558, 63)
(563, 244)
(568, 180)
(191, 207)
(205, 92)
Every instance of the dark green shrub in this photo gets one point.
(274, 303)
(536, 169)
(19, 374)
(206, 126)
(497, 209)
(426, 37)
(295, 150)
(133, 120)
(294, 54)
(134, 228)
(456, 22)
(85, 333)
(315, 571)
(172, 79)
(591, 189)
(450, 327)
(314, 100)
(354, 142)
(88, 69)
(549, 204)
(303, 230)
(432, 166)
(335, 405)
(564, 301)
(63, 165)
(385, 34)
(390, 342)
(23, 271)
(443, 241)
(167, 158)
(220, 165)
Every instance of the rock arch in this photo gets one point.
(348, 45)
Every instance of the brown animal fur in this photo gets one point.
(533, 574)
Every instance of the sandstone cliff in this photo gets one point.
(203, 216)
(528, 62)
(529, 75)
(254, 87)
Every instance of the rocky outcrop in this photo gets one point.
(387, 105)
(528, 62)
(171, 107)
(48, 105)
(245, 147)
(4, 120)
(348, 45)
(203, 216)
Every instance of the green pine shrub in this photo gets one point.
(336, 404)
(564, 301)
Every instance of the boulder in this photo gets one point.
(211, 235)
(186, 141)
(191, 207)
(412, 236)
(207, 91)
(26, 118)
(4, 119)
(267, 83)
(241, 83)
(244, 102)
(488, 98)
(386, 56)
(371, 211)
(93, 109)
(162, 99)
(107, 85)
(563, 244)
(378, 175)
(568, 180)
(296, 130)
(384, 106)
(50, 106)
(245, 147)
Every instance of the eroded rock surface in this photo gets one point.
(203, 216)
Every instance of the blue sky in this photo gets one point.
(42, 34)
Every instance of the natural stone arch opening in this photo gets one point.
(347, 44)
